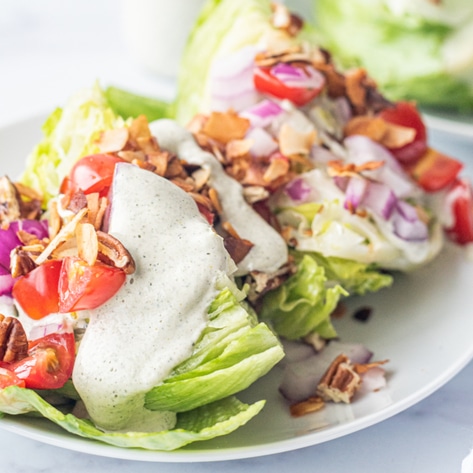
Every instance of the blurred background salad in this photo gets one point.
(415, 49)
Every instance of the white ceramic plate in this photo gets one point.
(448, 122)
(423, 325)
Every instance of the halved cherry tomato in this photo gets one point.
(266, 83)
(8, 378)
(37, 291)
(436, 171)
(461, 199)
(91, 174)
(49, 362)
(406, 114)
(83, 287)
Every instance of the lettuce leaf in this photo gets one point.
(232, 352)
(223, 27)
(69, 134)
(209, 421)
(437, 71)
(356, 278)
(303, 304)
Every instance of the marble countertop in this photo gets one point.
(51, 48)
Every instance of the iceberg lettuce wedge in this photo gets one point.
(380, 34)
(232, 352)
(209, 421)
(69, 134)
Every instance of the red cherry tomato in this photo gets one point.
(436, 171)
(49, 362)
(83, 287)
(92, 174)
(266, 83)
(406, 114)
(461, 199)
(36, 292)
(8, 378)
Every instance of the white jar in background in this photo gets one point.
(155, 31)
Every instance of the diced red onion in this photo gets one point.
(263, 143)
(236, 101)
(301, 377)
(298, 190)
(262, 113)
(373, 380)
(6, 281)
(343, 112)
(292, 76)
(355, 192)
(380, 199)
(321, 155)
(407, 225)
(296, 351)
(362, 149)
(231, 81)
(341, 182)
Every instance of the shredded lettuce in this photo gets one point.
(69, 134)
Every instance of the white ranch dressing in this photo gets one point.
(135, 339)
(269, 252)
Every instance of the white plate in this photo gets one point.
(423, 325)
(448, 122)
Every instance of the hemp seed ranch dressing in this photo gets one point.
(135, 339)
(269, 252)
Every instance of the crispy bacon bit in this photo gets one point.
(77, 201)
(339, 168)
(359, 87)
(277, 168)
(388, 134)
(362, 368)
(226, 126)
(312, 404)
(238, 148)
(238, 248)
(112, 141)
(285, 20)
(293, 142)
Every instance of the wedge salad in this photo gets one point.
(152, 269)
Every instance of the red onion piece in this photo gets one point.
(298, 190)
(380, 199)
(262, 113)
(301, 376)
(407, 227)
(292, 76)
(6, 282)
(263, 143)
(231, 81)
(362, 149)
(373, 380)
(355, 191)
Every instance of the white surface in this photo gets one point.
(49, 49)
